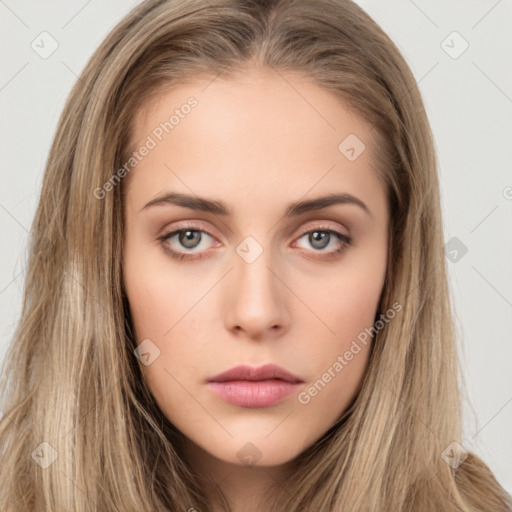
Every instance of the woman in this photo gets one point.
(187, 342)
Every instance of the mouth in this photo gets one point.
(251, 387)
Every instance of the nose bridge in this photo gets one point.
(256, 302)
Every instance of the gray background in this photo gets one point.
(468, 95)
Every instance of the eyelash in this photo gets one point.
(330, 255)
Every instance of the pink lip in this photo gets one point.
(246, 386)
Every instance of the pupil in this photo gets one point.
(322, 237)
(189, 237)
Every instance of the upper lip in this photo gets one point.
(265, 372)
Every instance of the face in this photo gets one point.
(230, 261)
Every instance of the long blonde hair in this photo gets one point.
(72, 392)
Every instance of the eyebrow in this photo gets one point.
(219, 208)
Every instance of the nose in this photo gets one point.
(256, 302)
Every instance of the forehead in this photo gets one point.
(259, 129)
(262, 99)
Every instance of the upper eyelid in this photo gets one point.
(344, 238)
(321, 228)
(199, 226)
(190, 225)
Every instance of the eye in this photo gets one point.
(189, 238)
(186, 239)
(320, 238)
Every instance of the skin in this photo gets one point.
(256, 144)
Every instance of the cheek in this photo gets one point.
(172, 326)
(345, 307)
(167, 309)
(342, 304)
(156, 296)
(338, 360)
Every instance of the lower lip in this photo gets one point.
(262, 393)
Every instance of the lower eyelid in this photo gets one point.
(343, 239)
(172, 234)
